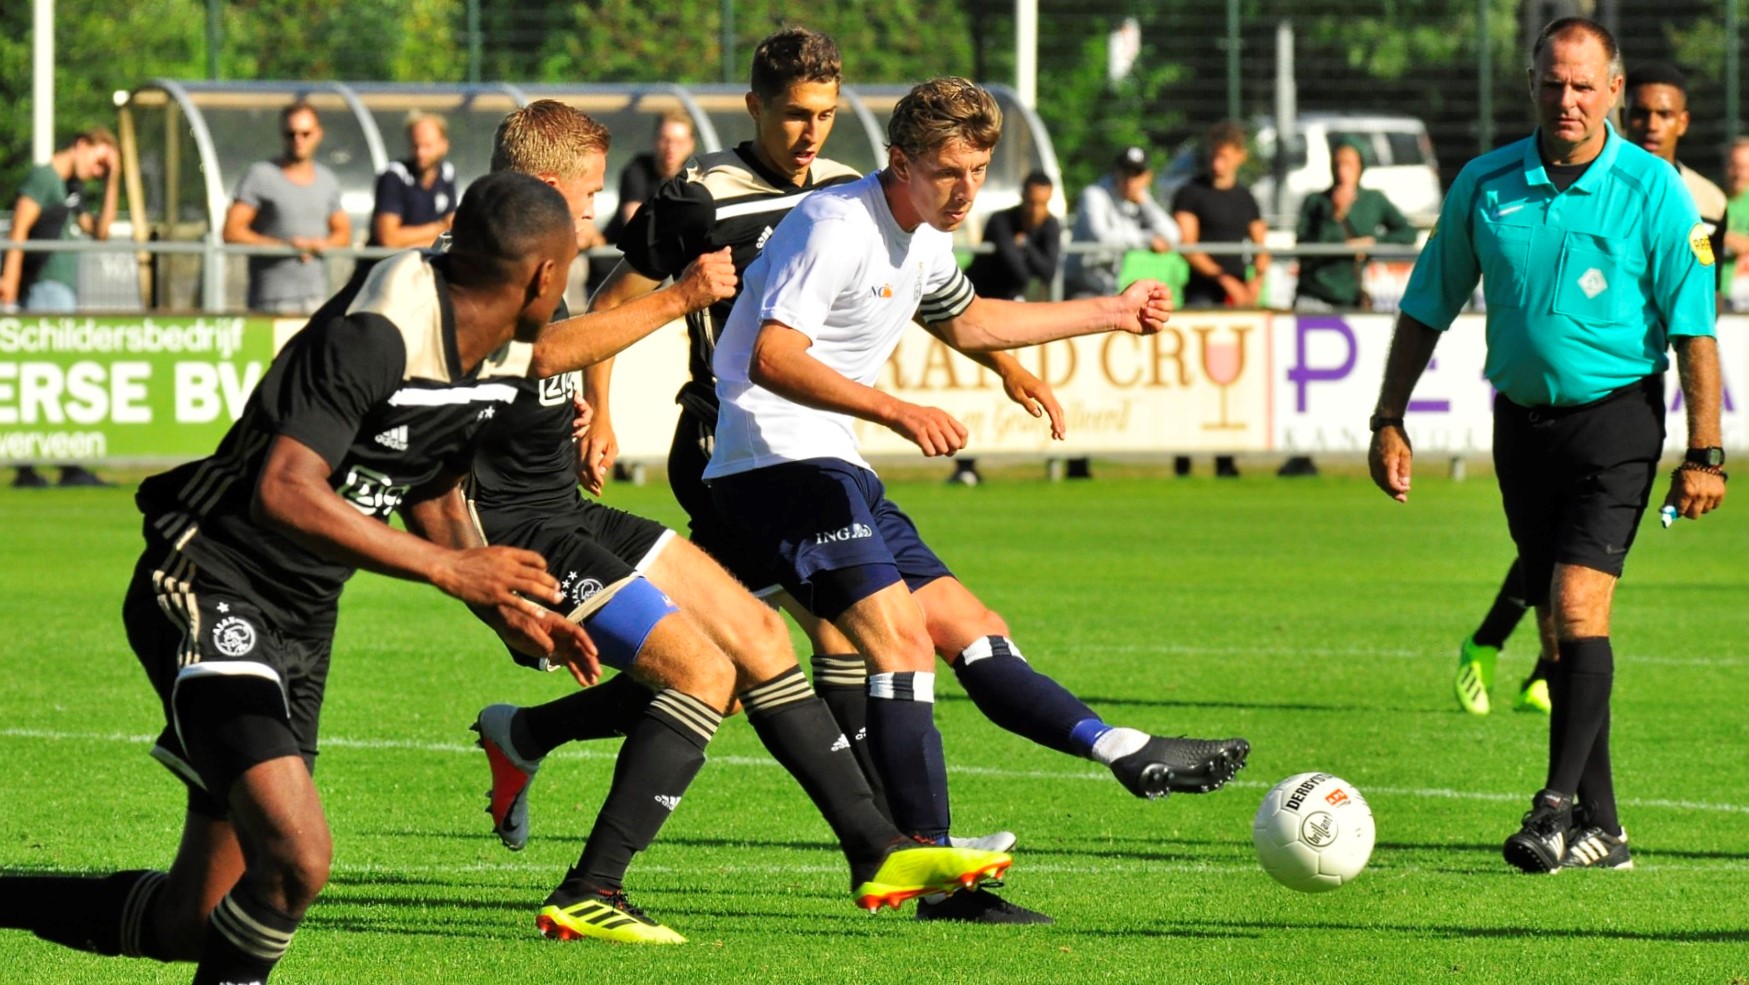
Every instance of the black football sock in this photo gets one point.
(105, 915)
(1543, 671)
(1022, 700)
(662, 753)
(245, 937)
(604, 711)
(1588, 667)
(1597, 784)
(1508, 609)
(798, 730)
(841, 680)
(906, 747)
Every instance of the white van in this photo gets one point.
(1399, 162)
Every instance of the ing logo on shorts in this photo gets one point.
(233, 636)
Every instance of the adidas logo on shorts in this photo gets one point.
(668, 800)
(841, 744)
(394, 439)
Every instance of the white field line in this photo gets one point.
(467, 748)
(1397, 653)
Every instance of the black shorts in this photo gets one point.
(595, 551)
(689, 453)
(1575, 480)
(829, 528)
(236, 690)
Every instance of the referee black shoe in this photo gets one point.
(1541, 844)
(977, 906)
(1180, 765)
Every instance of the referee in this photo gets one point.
(1593, 263)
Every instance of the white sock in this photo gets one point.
(1118, 743)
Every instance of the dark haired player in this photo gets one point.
(373, 409)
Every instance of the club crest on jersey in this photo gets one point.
(883, 291)
(233, 636)
(580, 590)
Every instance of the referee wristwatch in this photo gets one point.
(1711, 458)
(1380, 421)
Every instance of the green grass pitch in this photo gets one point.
(1314, 617)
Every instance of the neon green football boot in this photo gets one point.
(1475, 675)
(1534, 696)
(923, 870)
(604, 916)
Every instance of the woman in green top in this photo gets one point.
(1349, 214)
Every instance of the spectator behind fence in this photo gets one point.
(1736, 212)
(416, 197)
(1347, 214)
(294, 201)
(671, 147)
(1027, 242)
(49, 206)
(1214, 208)
(1117, 211)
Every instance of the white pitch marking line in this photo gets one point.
(1439, 793)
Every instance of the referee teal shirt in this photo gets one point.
(1585, 287)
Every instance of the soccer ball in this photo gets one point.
(1313, 832)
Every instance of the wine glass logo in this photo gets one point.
(1223, 363)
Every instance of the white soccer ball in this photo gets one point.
(1313, 832)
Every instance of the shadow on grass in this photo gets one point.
(1258, 928)
(1102, 701)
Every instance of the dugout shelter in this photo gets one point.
(185, 145)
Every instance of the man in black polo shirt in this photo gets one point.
(373, 409)
(416, 197)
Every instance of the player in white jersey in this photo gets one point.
(821, 311)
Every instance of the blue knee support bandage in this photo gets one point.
(620, 627)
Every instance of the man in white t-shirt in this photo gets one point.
(823, 307)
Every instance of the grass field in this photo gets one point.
(1312, 616)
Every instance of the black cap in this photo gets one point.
(1132, 161)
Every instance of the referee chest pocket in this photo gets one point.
(1591, 282)
(1505, 254)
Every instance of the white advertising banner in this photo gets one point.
(1213, 381)
(1328, 370)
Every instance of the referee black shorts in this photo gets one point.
(1575, 480)
(236, 691)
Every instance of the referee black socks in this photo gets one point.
(1578, 722)
(1506, 612)
(662, 753)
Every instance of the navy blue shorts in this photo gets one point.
(829, 528)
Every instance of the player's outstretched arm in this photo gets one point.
(781, 363)
(1025, 389)
(294, 499)
(576, 343)
(1696, 491)
(1390, 456)
(992, 323)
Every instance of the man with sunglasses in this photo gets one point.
(292, 200)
